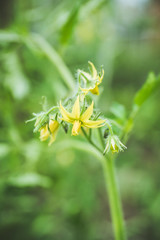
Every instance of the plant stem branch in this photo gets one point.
(51, 109)
(90, 140)
(101, 137)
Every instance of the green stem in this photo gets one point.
(113, 192)
(109, 127)
(114, 198)
(90, 140)
(52, 108)
(101, 137)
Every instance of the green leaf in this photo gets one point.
(150, 86)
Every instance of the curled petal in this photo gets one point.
(66, 116)
(94, 124)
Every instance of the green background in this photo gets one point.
(58, 192)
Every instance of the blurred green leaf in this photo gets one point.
(4, 149)
(30, 180)
(150, 86)
(8, 37)
(90, 6)
(68, 27)
(15, 79)
(79, 145)
(43, 225)
(55, 58)
(118, 110)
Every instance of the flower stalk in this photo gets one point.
(111, 184)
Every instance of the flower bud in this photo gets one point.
(49, 131)
(114, 145)
(44, 133)
(53, 127)
(90, 81)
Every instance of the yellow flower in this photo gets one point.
(49, 131)
(94, 79)
(79, 120)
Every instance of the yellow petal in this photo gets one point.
(66, 116)
(76, 128)
(76, 109)
(94, 124)
(93, 70)
(44, 133)
(95, 90)
(52, 138)
(87, 114)
(53, 125)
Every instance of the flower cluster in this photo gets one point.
(78, 112)
(80, 120)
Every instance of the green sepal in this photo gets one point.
(41, 119)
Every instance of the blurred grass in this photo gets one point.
(58, 192)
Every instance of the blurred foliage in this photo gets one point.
(58, 192)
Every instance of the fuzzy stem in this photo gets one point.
(114, 198)
(113, 192)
